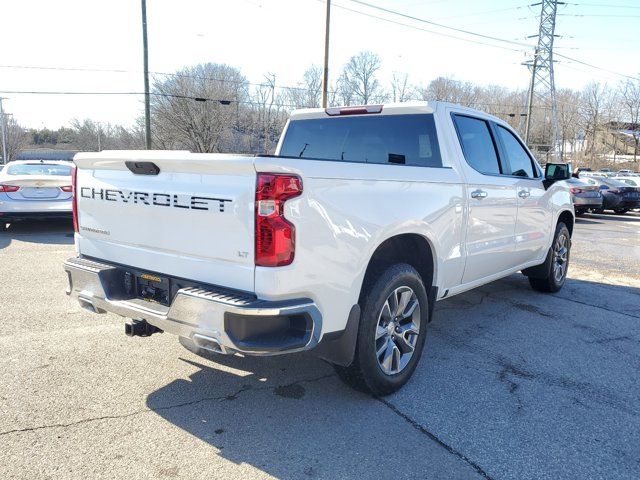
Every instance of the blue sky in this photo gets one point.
(284, 37)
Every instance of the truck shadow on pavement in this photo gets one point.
(313, 427)
(512, 384)
(51, 232)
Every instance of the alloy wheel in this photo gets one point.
(397, 330)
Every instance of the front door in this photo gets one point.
(492, 201)
(534, 223)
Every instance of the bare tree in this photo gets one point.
(17, 138)
(568, 102)
(629, 94)
(198, 108)
(358, 80)
(400, 89)
(592, 112)
(268, 114)
(445, 89)
(308, 93)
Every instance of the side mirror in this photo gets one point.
(554, 172)
(557, 171)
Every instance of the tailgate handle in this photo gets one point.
(143, 168)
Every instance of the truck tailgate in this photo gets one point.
(194, 219)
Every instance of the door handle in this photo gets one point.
(523, 194)
(479, 194)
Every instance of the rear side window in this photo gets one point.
(39, 169)
(477, 144)
(383, 139)
(519, 160)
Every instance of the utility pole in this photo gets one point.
(3, 127)
(542, 86)
(530, 97)
(147, 105)
(325, 73)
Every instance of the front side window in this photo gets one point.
(477, 144)
(384, 139)
(521, 164)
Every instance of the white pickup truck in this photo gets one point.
(339, 244)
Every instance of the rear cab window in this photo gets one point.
(409, 140)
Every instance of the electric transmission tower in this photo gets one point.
(542, 89)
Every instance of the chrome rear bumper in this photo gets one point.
(214, 318)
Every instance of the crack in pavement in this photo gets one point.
(596, 306)
(230, 396)
(423, 430)
(413, 423)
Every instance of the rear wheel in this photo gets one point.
(558, 263)
(391, 335)
(621, 211)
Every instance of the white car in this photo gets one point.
(633, 181)
(35, 189)
(340, 244)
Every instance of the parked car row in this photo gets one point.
(35, 189)
(597, 194)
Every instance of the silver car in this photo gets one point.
(35, 189)
(585, 196)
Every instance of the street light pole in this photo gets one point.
(147, 105)
(3, 127)
(325, 73)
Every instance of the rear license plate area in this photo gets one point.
(149, 286)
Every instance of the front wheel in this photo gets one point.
(395, 311)
(621, 211)
(557, 263)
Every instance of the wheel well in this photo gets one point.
(407, 248)
(567, 218)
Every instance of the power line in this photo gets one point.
(566, 57)
(388, 20)
(157, 94)
(474, 33)
(206, 99)
(430, 22)
(484, 12)
(175, 74)
(596, 15)
(603, 5)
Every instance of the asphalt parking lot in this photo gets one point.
(513, 384)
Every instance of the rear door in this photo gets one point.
(535, 212)
(490, 232)
(194, 219)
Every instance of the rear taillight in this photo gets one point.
(274, 235)
(74, 200)
(575, 190)
(9, 188)
(67, 188)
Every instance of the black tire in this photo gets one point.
(551, 281)
(599, 211)
(580, 213)
(621, 211)
(366, 373)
